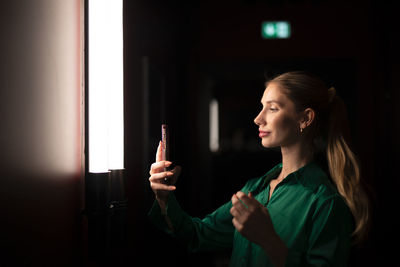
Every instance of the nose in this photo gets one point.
(259, 119)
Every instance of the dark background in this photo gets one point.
(199, 50)
(178, 56)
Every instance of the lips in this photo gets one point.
(263, 133)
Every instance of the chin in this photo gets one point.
(268, 144)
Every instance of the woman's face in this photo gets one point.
(278, 121)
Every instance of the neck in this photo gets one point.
(294, 157)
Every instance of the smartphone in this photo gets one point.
(165, 145)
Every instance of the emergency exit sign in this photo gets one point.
(275, 30)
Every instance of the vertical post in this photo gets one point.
(106, 203)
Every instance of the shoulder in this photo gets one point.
(321, 190)
(317, 182)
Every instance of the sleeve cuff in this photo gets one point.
(173, 211)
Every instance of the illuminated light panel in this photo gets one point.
(214, 126)
(106, 118)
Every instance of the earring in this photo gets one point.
(301, 129)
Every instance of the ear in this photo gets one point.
(307, 118)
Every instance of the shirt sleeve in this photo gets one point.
(214, 232)
(330, 235)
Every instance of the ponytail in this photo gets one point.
(344, 167)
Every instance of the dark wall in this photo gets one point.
(203, 49)
(40, 133)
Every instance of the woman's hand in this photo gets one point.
(253, 221)
(161, 181)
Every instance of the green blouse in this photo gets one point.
(306, 211)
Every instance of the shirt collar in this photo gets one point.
(298, 176)
(271, 174)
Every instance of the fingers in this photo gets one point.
(239, 213)
(161, 179)
(237, 225)
(249, 216)
(238, 209)
(159, 166)
(241, 201)
(160, 186)
(234, 212)
(157, 181)
(159, 152)
(243, 204)
(237, 203)
(160, 176)
(248, 200)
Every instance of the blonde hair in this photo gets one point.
(330, 134)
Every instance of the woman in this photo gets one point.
(296, 214)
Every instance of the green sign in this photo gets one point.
(275, 30)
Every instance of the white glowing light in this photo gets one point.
(214, 126)
(106, 118)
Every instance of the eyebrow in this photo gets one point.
(272, 101)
